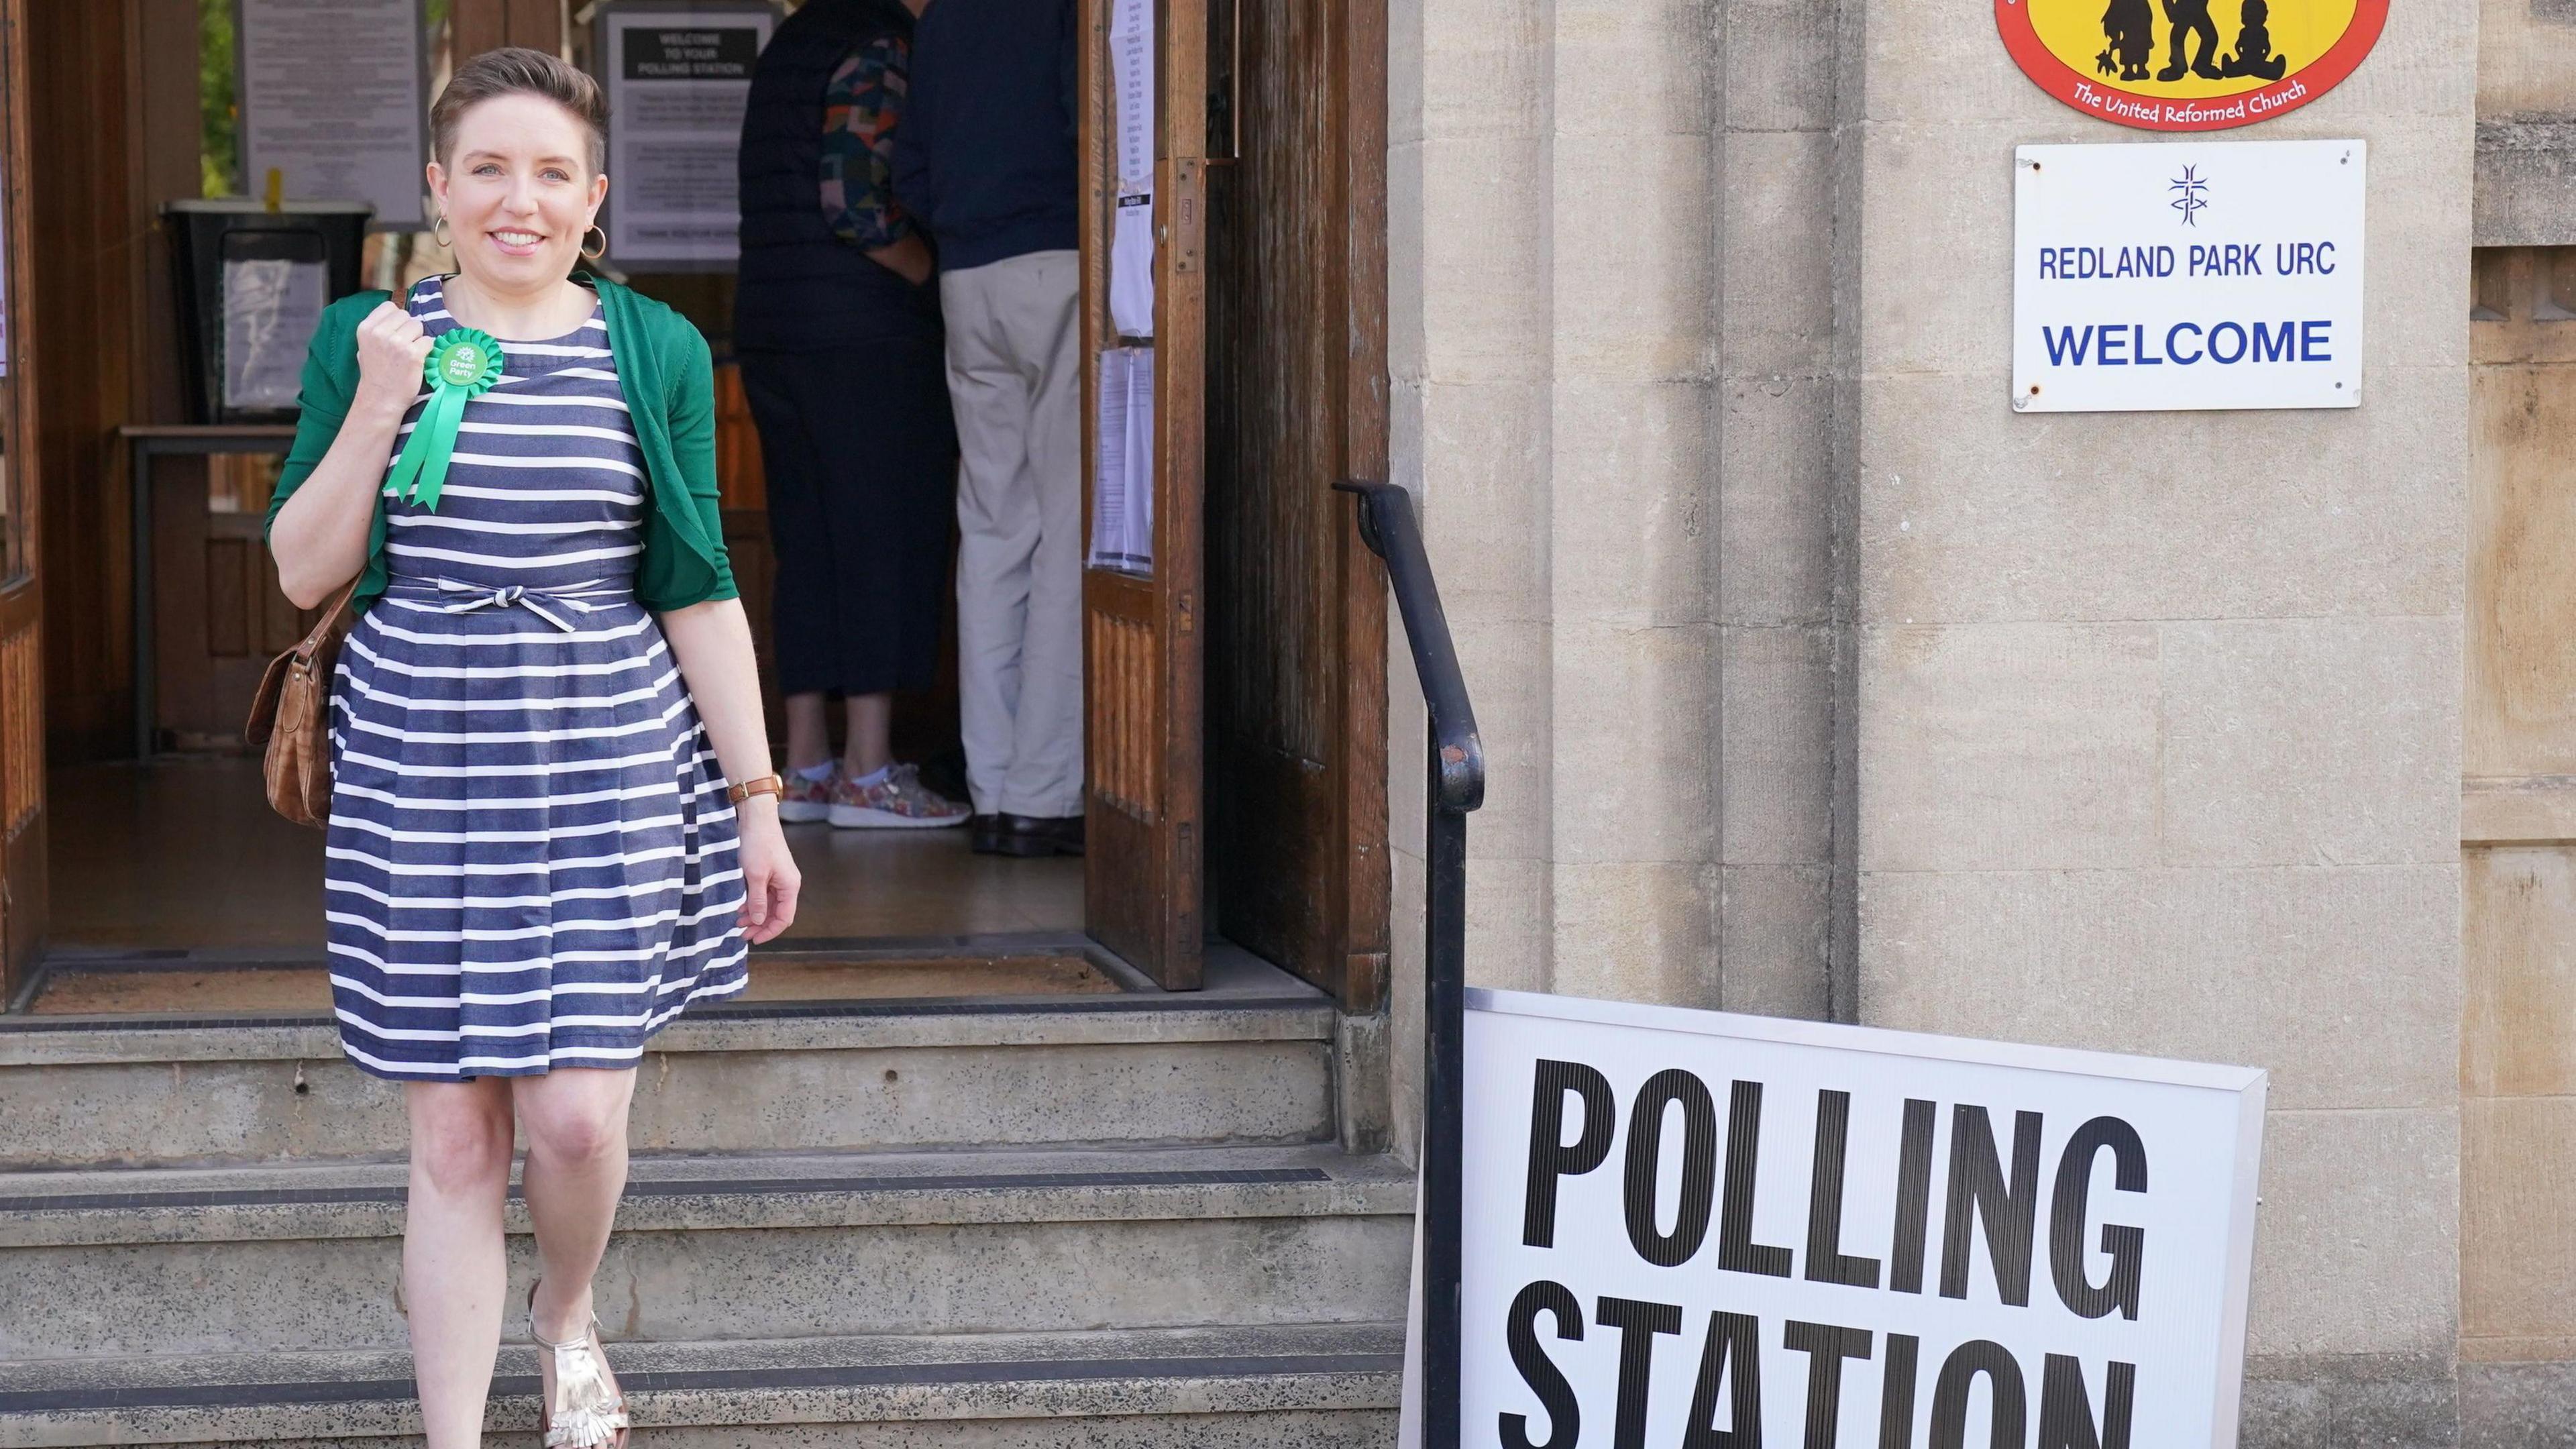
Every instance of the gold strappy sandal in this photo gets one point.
(583, 1412)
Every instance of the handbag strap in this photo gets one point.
(333, 613)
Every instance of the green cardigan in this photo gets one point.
(668, 377)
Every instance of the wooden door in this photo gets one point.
(219, 615)
(481, 25)
(1296, 605)
(22, 673)
(1141, 633)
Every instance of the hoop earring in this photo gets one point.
(603, 241)
(438, 231)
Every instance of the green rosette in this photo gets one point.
(464, 364)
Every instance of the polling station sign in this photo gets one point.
(2191, 274)
(1691, 1230)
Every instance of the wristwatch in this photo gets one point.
(765, 785)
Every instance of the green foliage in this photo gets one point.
(218, 111)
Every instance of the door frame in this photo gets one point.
(23, 882)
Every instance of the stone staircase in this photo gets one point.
(1121, 1220)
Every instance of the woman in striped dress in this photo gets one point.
(553, 820)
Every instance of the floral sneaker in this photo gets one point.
(806, 800)
(899, 801)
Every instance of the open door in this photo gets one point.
(22, 670)
(1142, 740)
(1296, 605)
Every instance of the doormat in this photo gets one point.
(267, 990)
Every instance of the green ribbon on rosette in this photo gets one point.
(464, 364)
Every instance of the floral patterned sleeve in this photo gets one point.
(860, 108)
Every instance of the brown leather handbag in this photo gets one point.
(291, 715)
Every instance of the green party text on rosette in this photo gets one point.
(464, 364)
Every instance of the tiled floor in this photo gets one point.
(185, 854)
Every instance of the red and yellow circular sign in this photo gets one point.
(2188, 65)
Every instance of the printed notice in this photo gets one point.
(1131, 235)
(331, 101)
(1122, 481)
(1131, 267)
(2191, 274)
(1131, 69)
(677, 81)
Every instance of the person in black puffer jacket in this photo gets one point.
(837, 331)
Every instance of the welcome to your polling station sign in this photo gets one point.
(2196, 274)
(1691, 1230)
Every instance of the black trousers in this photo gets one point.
(861, 458)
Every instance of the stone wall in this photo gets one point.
(2159, 713)
(1816, 681)
(2526, 192)
(2518, 1230)
(2518, 811)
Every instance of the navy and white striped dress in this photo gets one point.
(532, 862)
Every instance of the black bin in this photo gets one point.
(251, 284)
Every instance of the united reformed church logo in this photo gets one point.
(2188, 65)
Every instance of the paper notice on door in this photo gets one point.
(1122, 484)
(1131, 235)
(1131, 78)
(1131, 267)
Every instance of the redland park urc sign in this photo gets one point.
(2188, 65)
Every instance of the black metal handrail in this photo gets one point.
(1456, 785)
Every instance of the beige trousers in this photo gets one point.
(1014, 375)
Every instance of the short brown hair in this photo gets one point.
(514, 71)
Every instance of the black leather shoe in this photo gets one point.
(983, 835)
(1036, 835)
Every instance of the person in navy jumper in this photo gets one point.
(986, 159)
(837, 332)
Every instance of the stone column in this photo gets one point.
(1469, 222)
(1611, 299)
(1780, 605)
(1551, 286)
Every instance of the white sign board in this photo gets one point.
(2187, 274)
(677, 80)
(1730, 1232)
(331, 101)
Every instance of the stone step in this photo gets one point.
(1317, 1386)
(1140, 1067)
(308, 1256)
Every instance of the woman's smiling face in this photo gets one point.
(518, 191)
